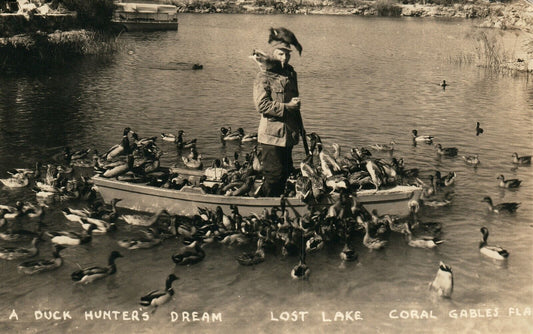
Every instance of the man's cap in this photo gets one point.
(280, 45)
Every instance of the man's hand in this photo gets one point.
(293, 104)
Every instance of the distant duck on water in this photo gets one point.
(16, 253)
(447, 151)
(443, 84)
(422, 139)
(479, 130)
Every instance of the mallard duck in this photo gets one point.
(443, 282)
(422, 139)
(235, 135)
(192, 254)
(71, 238)
(124, 147)
(150, 240)
(510, 207)
(494, 252)
(472, 160)
(420, 241)
(76, 155)
(443, 84)
(511, 183)
(376, 173)
(18, 180)
(89, 275)
(327, 163)
(39, 266)
(102, 227)
(314, 243)
(224, 132)
(447, 151)
(286, 36)
(479, 130)
(370, 242)
(347, 253)
(17, 253)
(18, 235)
(159, 297)
(168, 137)
(193, 163)
(182, 143)
(439, 202)
(523, 160)
(301, 270)
(250, 137)
(250, 259)
(120, 169)
(384, 147)
(446, 180)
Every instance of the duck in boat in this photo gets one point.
(159, 297)
(38, 266)
(91, 274)
(125, 146)
(17, 253)
(443, 282)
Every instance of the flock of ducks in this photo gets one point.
(270, 230)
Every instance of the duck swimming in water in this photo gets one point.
(71, 238)
(510, 207)
(472, 160)
(301, 270)
(250, 137)
(494, 252)
(443, 282)
(91, 274)
(371, 242)
(523, 160)
(422, 139)
(236, 135)
(192, 254)
(479, 130)
(39, 266)
(447, 151)
(250, 259)
(511, 183)
(443, 84)
(17, 253)
(150, 240)
(420, 241)
(159, 297)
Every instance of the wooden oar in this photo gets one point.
(303, 134)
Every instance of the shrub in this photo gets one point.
(92, 14)
(387, 8)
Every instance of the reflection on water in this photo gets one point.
(363, 81)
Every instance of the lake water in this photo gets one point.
(362, 81)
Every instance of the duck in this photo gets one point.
(181, 143)
(437, 203)
(159, 297)
(509, 207)
(384, 147)
(168, 137)
(150, 240)
(447, 151)
(286, 36)
(376, 173)
(18, 180)
(192, 254)
(235, 135)
(479, 130)
(523, 160)
(443, 84)
(42, 265)
(194, 162)
(420, 241)
(511, 183)
(250, 137)
(102, 227)
(224, 131)
(443, 282)
(446, 180)
(327, 163)
(314, 243)
(494, 252)
(91, 274)
(301, 271)
(17, 253)
(18, 235)
(472, 160)
(370, 242)
(120, 169)
(71, 238)
(70, 156)
(347, 253)
(250, 259)
(422, 138)
(124, 147)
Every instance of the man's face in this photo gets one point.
(282, 55)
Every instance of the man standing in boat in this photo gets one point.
(276, 98)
